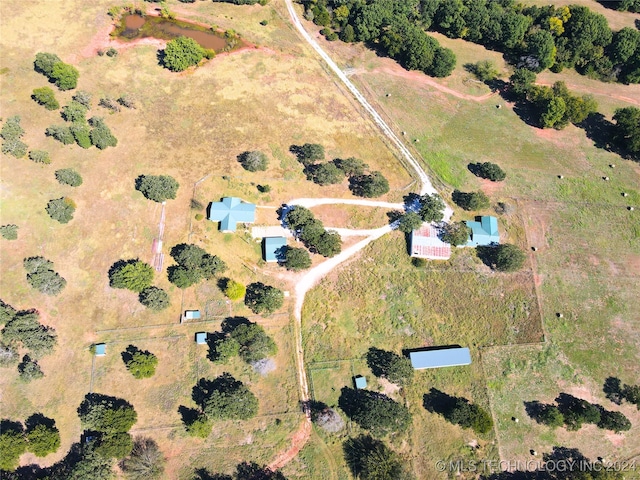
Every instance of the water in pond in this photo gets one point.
(136, 26)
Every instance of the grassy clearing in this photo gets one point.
(586, 265)
(187, 125)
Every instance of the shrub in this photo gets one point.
(199, 427)
(45, 96)
(39, 156)
(296, 259)
(17, 148)
(196, 204)
(485, 70)
(127, 101)
(44, 63)
(154, 298)
(470, 200)
(199, 216)
(253, 161)
(263, 299)
(61, 209)
(42, 435)
(74, 112)
(82, 134)
(11, 133)
(140, 363)
(9, 232)
(264, 188)
(157, 187)
(111, 52)
(109, 103)
(488, 170)
(83, 98)
(101, 135)
(133, 275)
(234, 290)
(65, 76)
(68, 176)
(41, 276)
(182, 53)
(29, 369)
(62, 133)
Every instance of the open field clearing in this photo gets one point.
(587, 246)
(187, 125)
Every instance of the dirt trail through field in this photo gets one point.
(597, 90)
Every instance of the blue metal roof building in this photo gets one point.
(231, 211)
(273, 248)
(100, 349)
(201, 338)
(360, 382)
(445, 357)
(484, 232)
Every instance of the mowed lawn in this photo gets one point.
(188, 125)
(586, 263)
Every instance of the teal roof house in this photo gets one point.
(231, 211)
(484, 232)
(273, 248)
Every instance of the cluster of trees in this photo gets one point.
(241, 337)
(140, 363)
(392, 26)
(390, 365)
(61, 209)
(263, 299)
(9, 231)
(23, 329)
(540, 37)
(312, 233)
(223, 398)
(624, 5)
(361, 182)
(108, 419)
(39, 156)
(65, 76)
(11, 134)
(85, 133)
(137, 276)
(184, 52)
(488, 170)
(458, 410)
(573, 412)
(552, 107)
(422, 208)
(505, 257)
(40, 437)
(470, 200)
(374, 411)
(244, 470)
(193, 265)
(42, 277)
(253, 161)
(157, 187)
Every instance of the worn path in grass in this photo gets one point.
(315, 274)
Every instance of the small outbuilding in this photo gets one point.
(230, 211)
(201, 338)
(439, 357)
(192, 315)
(273, 248)
(100, 349)
(360, 382)
(483, 232)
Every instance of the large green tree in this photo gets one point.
(182, 53)
(146, 461)
(369, 185)
(390, 365)
(134, 275)
(12, 444)
(263, 299)
(61, 209)
(627, 129)
(296, 259)
(455, 233)
(45, 97)
(157, 187)
(106, 414)
(254, 343)
(371, 459)
(225, 398)
(154, 298)
(42, 435)
(374, 411)
(140, 363)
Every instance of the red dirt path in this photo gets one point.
(298, 440)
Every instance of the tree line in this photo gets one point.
(392, 26)
(311, 231)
